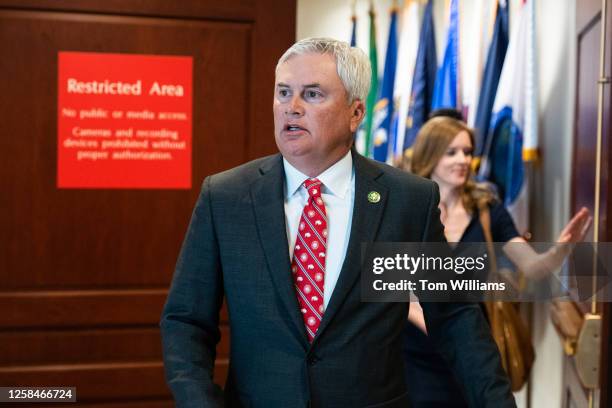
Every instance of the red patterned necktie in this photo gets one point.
(308, 264)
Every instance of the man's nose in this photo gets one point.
(295, 107)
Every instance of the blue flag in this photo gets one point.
(383, 111)
(513, 134)
(407, 48)
(424, 78)
(490, 78)
(446, 91)
(354, 31)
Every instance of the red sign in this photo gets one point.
(124, 121)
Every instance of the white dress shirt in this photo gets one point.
(338, 196)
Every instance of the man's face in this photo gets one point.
(313, 120)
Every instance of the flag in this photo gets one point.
(364, 138)
(513, 136)
(359, 135)
(406, 58)
(354, 30)
(383, 110)
(490, 79)
(423, 80)
(475, 42)
(446, 89)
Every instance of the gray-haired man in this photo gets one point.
(280, 238)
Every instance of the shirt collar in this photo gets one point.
(336, 178)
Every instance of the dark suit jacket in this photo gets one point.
(236, 246)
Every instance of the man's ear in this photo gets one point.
(357, 114)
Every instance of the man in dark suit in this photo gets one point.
(280, 238)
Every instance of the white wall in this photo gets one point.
(332, 18)
(556, 26)
(555, 21)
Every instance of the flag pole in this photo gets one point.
(601, 83)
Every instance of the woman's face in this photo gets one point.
(454, 167)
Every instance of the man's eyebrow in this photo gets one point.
(313, 85)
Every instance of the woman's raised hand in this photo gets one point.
(576, 229)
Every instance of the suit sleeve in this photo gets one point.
(464, 339)
(190, 319)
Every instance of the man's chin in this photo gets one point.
(293, 148)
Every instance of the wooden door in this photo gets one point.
(84, 272)
(576, 317)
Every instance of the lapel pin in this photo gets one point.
(373, 196)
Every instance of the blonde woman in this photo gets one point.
(443, 152)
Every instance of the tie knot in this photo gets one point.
(313, 186)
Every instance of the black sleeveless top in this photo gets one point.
(430, 380)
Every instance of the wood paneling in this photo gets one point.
(108, 238)
(83, 308)
(239, 10)
(54, 347)
(80, 309)
(588, 40)
(167, 403)
(85, 272)
(138, 379)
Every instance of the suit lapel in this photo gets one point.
(365, 222)
(268, 204)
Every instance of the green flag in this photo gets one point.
(373, 95)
